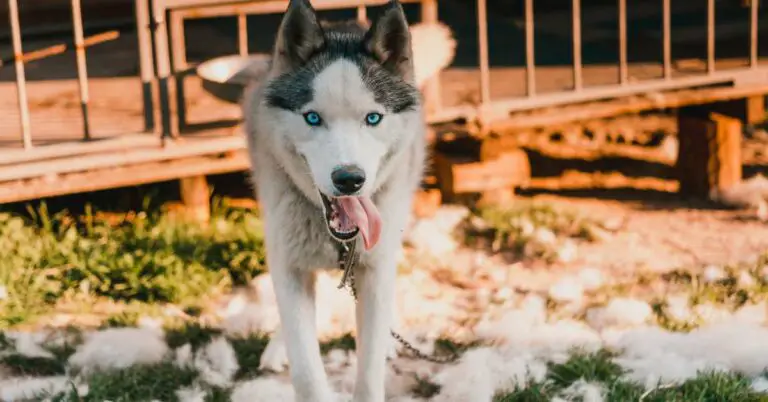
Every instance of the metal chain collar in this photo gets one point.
(348, 258)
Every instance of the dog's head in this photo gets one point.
(342, 98)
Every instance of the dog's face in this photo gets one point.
(342, 97)
(343, 94)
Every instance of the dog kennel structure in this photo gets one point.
(160, 148)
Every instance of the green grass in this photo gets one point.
(143, 261)
(144, 257)
(139, 383)
(528, 223)
(598, 368)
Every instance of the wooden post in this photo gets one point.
(750, 110)
(709, 155)
(494, 179)
(432, 97)
(195, 196)
(755, 109)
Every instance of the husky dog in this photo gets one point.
(336, 140)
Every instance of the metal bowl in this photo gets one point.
(226, 77)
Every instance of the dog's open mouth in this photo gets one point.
(346, 217)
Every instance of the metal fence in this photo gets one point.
(163, 61)
(491, 110)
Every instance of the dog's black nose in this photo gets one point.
(348, 179)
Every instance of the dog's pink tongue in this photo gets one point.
(364, 214)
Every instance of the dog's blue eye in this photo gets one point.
(373, 118)
(312, 118)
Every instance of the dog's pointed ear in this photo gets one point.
(299, 36)
(389, 40)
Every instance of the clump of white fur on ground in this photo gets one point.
(118, 348)
(582, 391)
(29, 344)
(526, 329)
(435, 235)
(265, 389)
(19, 389)
(483, 372)
(760, 384)
(191, 394)
(620, 313)
(655, 356)
(243, 316)
(217, 363)
(183, 356)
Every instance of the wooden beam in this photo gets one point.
(709, 155)
(16, 156)
(598, 110)
(190, 147)
(460, 174)
(123, 176)
(750, 110)
(196, 197)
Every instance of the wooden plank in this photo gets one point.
(172, 150)
(492, 147)
(16, 156)
(124, 176)
(709, 156)
(750, 110)
(457, 175)
(659, 101)
(755, 109)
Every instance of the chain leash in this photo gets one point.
(348, 258)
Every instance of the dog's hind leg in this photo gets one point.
(295, 291)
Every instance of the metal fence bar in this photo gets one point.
(500, 108)
(362, 13)
(710, 36)
(482, 33)
(753, 29)
(667, 41)
(179, 64)
(21, 85)
(578, 76)
(163, 66)
(242, 34)
(147, 72)
(530, 54)
(623, 69)
(82, 68)
(432, 90)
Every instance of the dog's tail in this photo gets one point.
(434, 48)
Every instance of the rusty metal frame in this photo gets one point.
(20, 58)
(172, 64)
(165, 39)
(490, 111)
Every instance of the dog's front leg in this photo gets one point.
(375, 284)
(295, 291)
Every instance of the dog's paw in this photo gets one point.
(275, 356)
